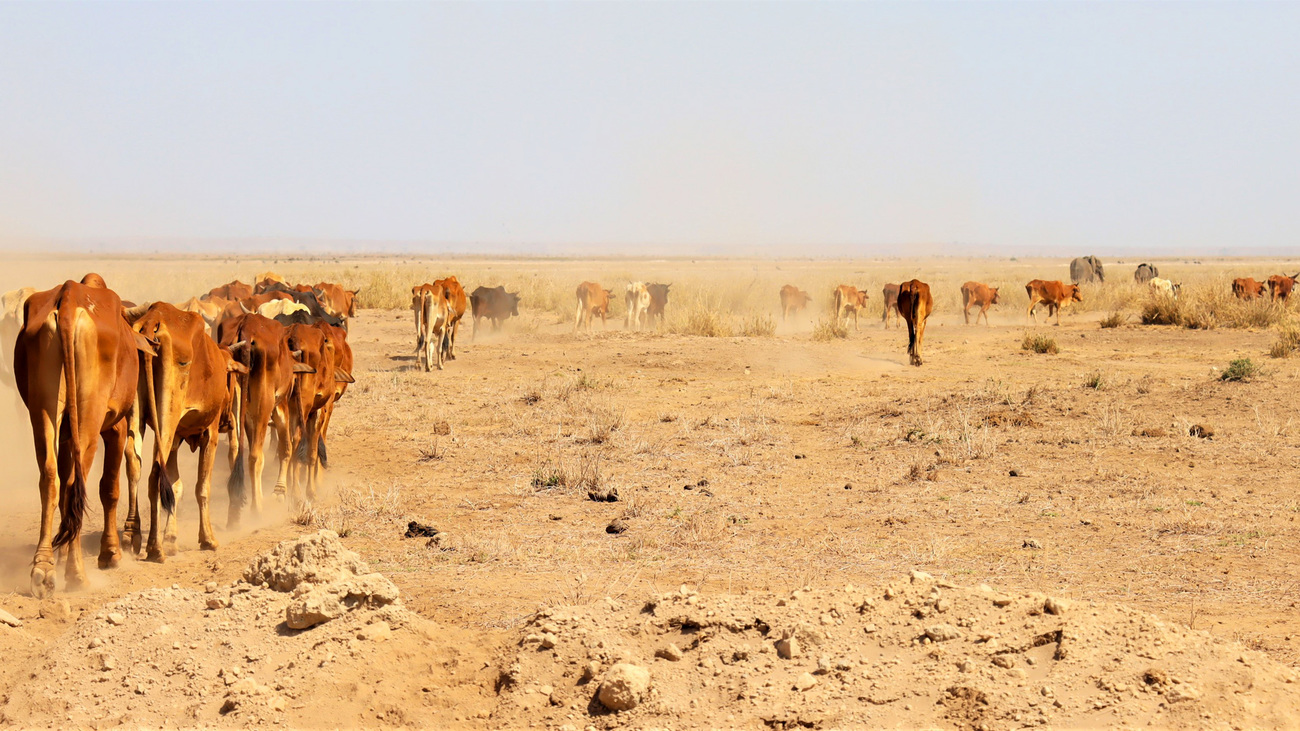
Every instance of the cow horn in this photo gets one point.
(342, 376)
(303, 368)
(239, 346)
(244, 307)
(135, 313)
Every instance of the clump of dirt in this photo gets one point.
(920, 653)
(229, 656)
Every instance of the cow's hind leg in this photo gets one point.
(134, 454)
(45, 425)
(174, 472)
(203, 488)
(110, 550)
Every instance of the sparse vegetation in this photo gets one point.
(1096, 381)
(1038, 343)
(828, 329)
(1241, 369)
(1113, 320)
(758, 326)
(1288, 341)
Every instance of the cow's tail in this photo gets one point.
(321, 453)
(235, 485)
(74, 496)
(162, 442)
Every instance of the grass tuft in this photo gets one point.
(1240, 370)
(1038, 343)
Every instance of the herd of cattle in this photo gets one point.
(249, 360)
(239, 360)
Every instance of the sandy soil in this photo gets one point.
(747, 468)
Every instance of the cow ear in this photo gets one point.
(236, 367)
(342, 376)
(303, 368)
(135, 313)
(143, 345)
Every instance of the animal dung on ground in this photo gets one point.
(415, 529)
(1202, 431)
(616, 527)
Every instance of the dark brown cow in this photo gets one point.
(309, 406)
(976, 294)
(658, 302)
(890, 296)
(186, 389)
(235, 290)
(76, 370)
(1054, 294)
(260, 345)
(457, 304)
(914, 304)
(793, 300)
(343, 362)
(1245, 288)
(593, 300)
(1280, 286)
(848, 299)
(493, 303)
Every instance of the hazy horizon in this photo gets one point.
(628, 129)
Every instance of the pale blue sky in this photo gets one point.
(808, 128)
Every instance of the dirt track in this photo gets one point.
(770, 464)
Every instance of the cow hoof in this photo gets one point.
(169, 547)
(42, 580)
(208, 545)
(155, 556)
(110, 560)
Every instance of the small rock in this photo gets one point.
(549, 640)
(919, 577)
(107, 662)
(787, 647)
(670, 653)
(116, 618)
(942, 633)
(96, 642)
(617, 526)
(1031, 543)
(217, 602)
(9, 619)
(589, 672)
(1003, 661)
(804, 682)
(824, 665)
(377, 632)
(1054, 606)
(624, 687)
(210, 587)
(1017, 473)
(56, 609)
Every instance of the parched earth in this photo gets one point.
(747, 470)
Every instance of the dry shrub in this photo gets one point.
(1288, 341)
(353, 507)
(758, 326)
(1210, 306)
(1240, 370)
(702, 322)
(828, 330)
(1039, 343)
(1114, 319)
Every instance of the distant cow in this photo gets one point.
(793, 300)
(658, 302)
(975, 294)
(76, 369)
(432, 323)
(281, 308)
(890, 296)
(493, 303)
(848, 299)
(186, 390)
(1055, 294)
(235, 290)
(637, 300)
(915, 303)
(311, 405)
(1245, 288)
(1087, 269)
(264, 279)
(592, 300)
(1164, 288)
(336, 300)
(1145, 273)
(11, 314)
(1280, 286)
(457, 304)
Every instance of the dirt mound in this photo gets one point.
(917, 654)
(229, 655)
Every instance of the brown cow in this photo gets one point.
(493, 303)
(186, 389)
(457, 303)
(75, 367)
(593, 299)
(1280, 286)
(1054, 294)
(849, 299)
(658, 302)
(265, 279)
(793, 300)
(1245, 288)
(890, 296)
(343, 362)
(914, 304)
(260, 345)
(336, 300)
(978, 295)
(235, 290)
(309, 406)
(432, 318)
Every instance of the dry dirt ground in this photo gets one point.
(744, 470)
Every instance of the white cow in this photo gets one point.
(275, 308)
(11, 321)
(638, 305)
(1165, 288)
